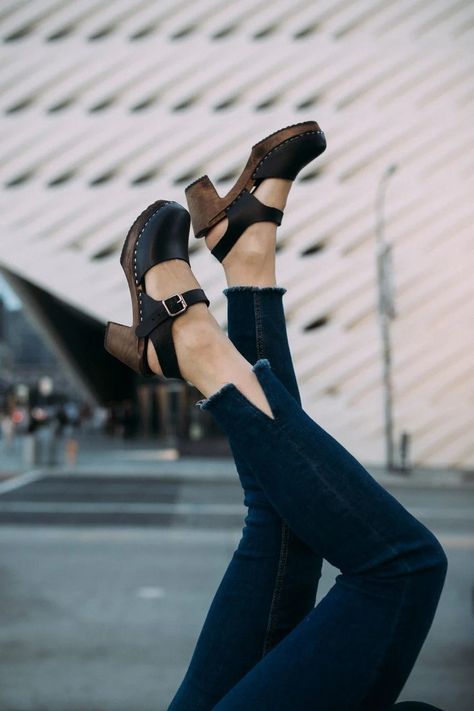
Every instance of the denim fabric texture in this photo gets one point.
(272, 578)
(356, 648)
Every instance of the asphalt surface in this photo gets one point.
(175, 500)
(105, 617)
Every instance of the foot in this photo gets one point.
(206, 357)
(164, 280)
(251, 261)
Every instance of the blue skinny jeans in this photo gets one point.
(264, 646)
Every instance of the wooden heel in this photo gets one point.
(205, 205)
(280, 155)
(159, 234)
(121, 342)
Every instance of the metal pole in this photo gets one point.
(386, 312)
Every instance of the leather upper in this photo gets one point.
(164, 236)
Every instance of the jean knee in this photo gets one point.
(441, 562)
(435, 560)
(440, 558)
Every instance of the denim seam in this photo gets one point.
(283, 553)
(255, 412)
(261, 365)
(408, 571)
(277, 590)
(290, 444)
(257, 309)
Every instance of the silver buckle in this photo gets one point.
(180, 300)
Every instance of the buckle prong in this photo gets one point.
(181, 301)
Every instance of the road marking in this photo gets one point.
(169, 455)
(452, 514)
(115, 507)
(150, 593)
(456, 542)
(127, 534)
(19, 481)
(184, 535)
(178, 508)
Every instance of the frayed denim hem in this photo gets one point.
(255, 289)
(261, 364)
(205, 403)
(209, 401)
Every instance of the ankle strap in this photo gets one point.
(157, 323)
(241, 214)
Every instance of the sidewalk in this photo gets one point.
(102, 456)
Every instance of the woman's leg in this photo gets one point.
(357, 647)
(271, 581)
(257, 328)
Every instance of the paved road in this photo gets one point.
(183, 500)
(104, 618)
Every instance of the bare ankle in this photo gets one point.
(252, 261)
(194, 335)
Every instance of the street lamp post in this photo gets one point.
(386, 311)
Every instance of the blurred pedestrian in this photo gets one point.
(8, 431)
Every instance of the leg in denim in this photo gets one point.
(257, 328)
(271, 581)
(356, 648)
